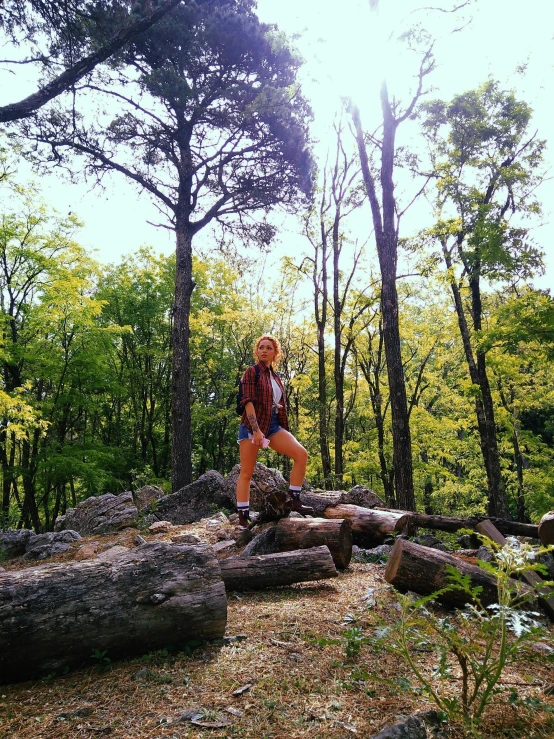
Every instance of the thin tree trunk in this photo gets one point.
(338, 370)
(519, 461)
(181, 394)
(29, 502)
(321, 321)
(387, 244)
(484, 410)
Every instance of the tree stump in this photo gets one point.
(546, 528)
(369, 526)
(423, 570)
(283, 568)
(53, 617)
(304, 533)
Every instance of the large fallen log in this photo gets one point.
(283, 568)
(370, 526)
(305, 533)
(53, 617)
(423, 570)
(532, 578)
(546, 528)
(319, 500)
(451, 523)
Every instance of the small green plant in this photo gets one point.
(146, 516)
(474, 646)
(4, 555)
(190, 645)
(354, 639)
(101, 659)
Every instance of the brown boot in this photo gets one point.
(297, 506)
(244, 518)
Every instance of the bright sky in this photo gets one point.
(345, 56)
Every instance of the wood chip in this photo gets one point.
(348, 727)
(211, 724)
(234, 711)
(284, 644)
(240, 691)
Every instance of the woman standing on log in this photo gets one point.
(264, 424)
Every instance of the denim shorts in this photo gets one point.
(274, 427)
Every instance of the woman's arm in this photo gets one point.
(251, 415)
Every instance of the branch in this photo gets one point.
(366, 172)
(416, 196)
(111, 164)
(424, 70)
(26, 107)
(442, 10)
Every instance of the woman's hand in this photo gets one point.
(258, 438)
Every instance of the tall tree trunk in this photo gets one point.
(386, 236)
(338, 370)
(519, 460)
(30, 508)
(371, 369)
(181, 394)
(321, 321)
(484, 409)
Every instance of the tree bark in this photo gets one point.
(423, 570)
(272, 570)
(369, 526)
(304, 533)
(53, 617)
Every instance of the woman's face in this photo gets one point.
(266, 351)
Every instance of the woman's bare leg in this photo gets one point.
(285, 443)
(248, 456)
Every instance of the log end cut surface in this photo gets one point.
(305, 533)
(546, 529)
(414, 567)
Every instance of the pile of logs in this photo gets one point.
(53, 617)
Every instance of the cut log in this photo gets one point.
(450, 523)
(545, 595)
(53, 617)
(283, 568)
(305, 533)
(369, 526)
(423, 570)
(546, 528)
(320, 500)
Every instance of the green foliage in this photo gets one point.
(101, 659)
(472, 648)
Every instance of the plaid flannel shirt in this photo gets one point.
(260, 394)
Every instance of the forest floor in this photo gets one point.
(309, 675)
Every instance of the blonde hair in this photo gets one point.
(276, 345)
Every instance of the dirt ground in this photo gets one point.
(285, 671)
